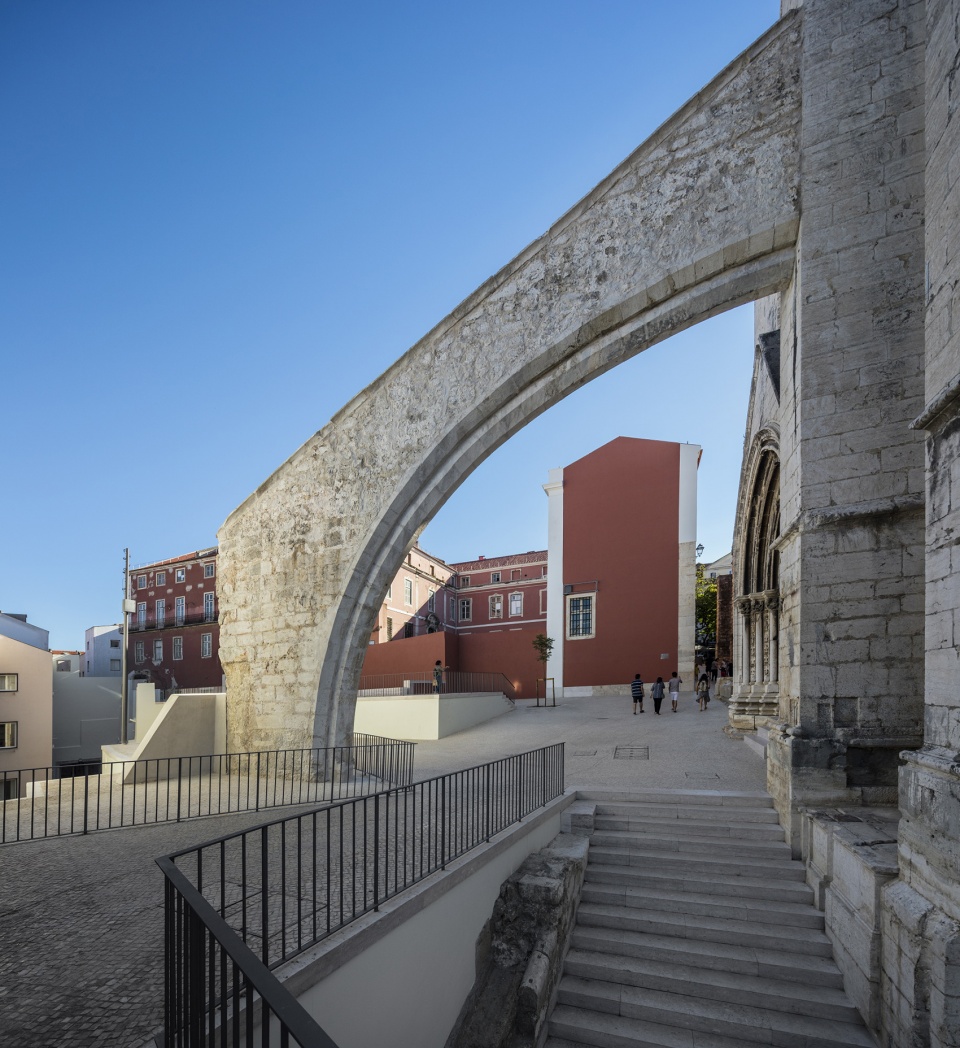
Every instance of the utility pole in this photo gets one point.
(124, 633)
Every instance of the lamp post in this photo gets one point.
(128, 606)
(699, 550)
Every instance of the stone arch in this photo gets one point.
(757, 599)
(701, 218)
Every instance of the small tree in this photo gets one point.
(706, 610)
(544, 646)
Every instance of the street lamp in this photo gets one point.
(699, 550)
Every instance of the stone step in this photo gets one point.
(693, 981)
(759, 911)
(665, 841)
(696, 862)
(727, 957)
(689, 812)
(749, 1023)
(576, 1028)
(699, 881)
(710, 929)
(691, 828)
(715, 799)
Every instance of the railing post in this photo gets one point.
(179, 784)
(376, 852)
(443, 823)
(86, 794)
(257, 798)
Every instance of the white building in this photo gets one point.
(26, 700)
(102, 652)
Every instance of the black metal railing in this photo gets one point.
(287, 885)
(172, 789)
(454, 682)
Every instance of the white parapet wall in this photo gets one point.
(417, 717)
(399, 977)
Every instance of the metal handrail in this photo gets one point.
(174, 789)
(422, 683)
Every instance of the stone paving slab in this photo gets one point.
(81, 939)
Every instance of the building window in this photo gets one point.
(9, 788)
(408, 592)
(177, 649)
(464, 581)
(161, 578)
(114, 644)
(9, 682)
(209, 570)
(208, 607)
(580, 619)
(180, 610)
(543, 572)
(161, 612)
(181, 575)
(494, 576)
(543, 602)
(516, 605)
(496, 606)
(452, 609)
(390, 592)
(138, 652)
(408, 629)
(466, 609)
(8, 735)
(206, 645)
(142, 616)
(115, 666)
(141, 582)
(431, 600)
(158, 650)
(389, 628)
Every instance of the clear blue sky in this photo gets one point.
(220, 220)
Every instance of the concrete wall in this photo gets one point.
(413, 717)
(86, 716)
(400, 977)
(702, 217)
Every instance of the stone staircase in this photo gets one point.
(696, 929)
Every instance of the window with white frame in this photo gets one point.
(580, 616)
(496, 606)
(180, 610)
(516, 605)
(8, 735)
(466, 609)
(464, 581)
(208, 599)
(408, 592)
(114, 644)
(390, 592)
(161, 578)
(543, 572)
(115, 666)
(209, 570)
(206, 645)
(494, 576)
(177, 649)
(138, 652)
(161, 613)
(141, 582)
(9, 681)
(431, 600)
(142, 615)
(158, 650)
(452, 608)
(181, 575)
(389, 628)
(543, 602)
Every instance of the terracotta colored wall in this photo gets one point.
(509, 652)
(621, 505)
(412, 655)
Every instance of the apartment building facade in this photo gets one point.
(26, 701)
(174, 635)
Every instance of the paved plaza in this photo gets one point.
(81, 941)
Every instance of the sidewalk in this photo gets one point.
(82, 940)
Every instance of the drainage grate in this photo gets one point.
(632, 753)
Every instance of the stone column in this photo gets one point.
(773, 637)
(759, 618)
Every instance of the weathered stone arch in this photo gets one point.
(701, 218)
(757, 585)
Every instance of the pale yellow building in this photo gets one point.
(26, 701)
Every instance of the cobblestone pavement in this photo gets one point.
(81, 936)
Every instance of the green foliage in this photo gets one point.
(544, 646)
(706, 609)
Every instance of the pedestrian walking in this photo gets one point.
(674, 686)
(703, 692)
(657, 692)
(636, 690)
(438, 668)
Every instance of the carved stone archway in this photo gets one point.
(702, 217)
(756, 695)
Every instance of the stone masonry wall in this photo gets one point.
(701, 217)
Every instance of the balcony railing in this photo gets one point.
(282, 887)
(173, 789)
(454, 682)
